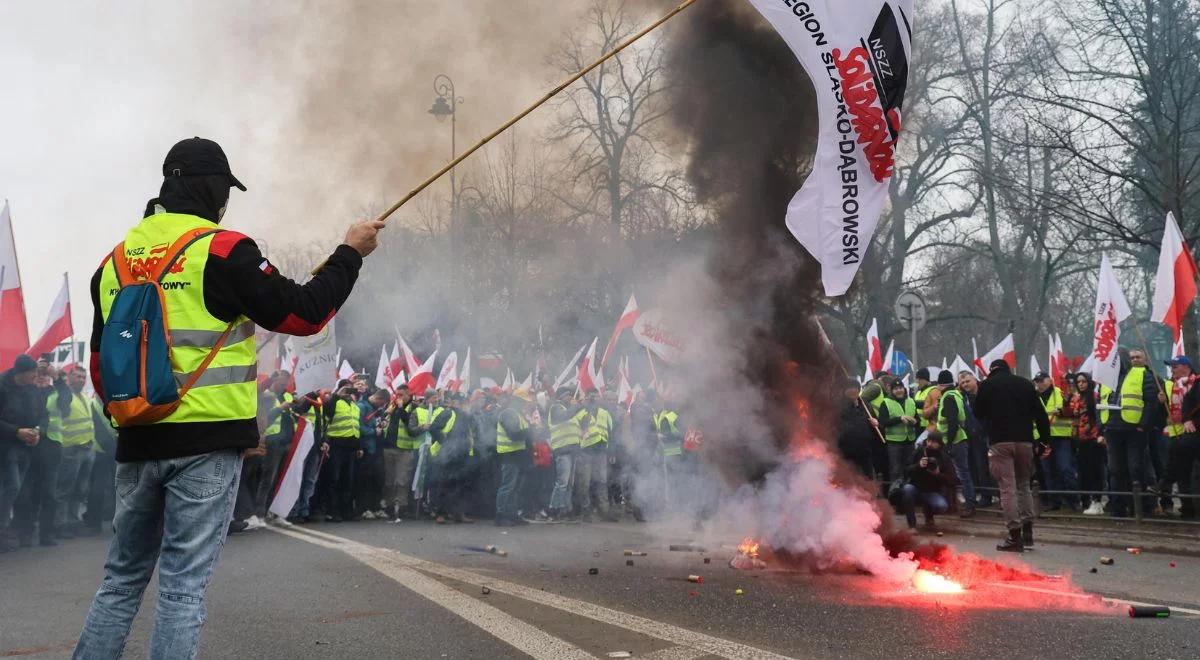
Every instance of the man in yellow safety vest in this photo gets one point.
(177, 476)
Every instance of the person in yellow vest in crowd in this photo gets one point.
(898, 420)
(566, 419)
(1127, 431)
(344, 418)
(513, 439)
(928, 408)
(102, 497)
(951, 422)
(70, 422)
(1058, 468)
(429, 424)
(922, 388)
(454, 434)
(280, 431)
(669, 431)
(1184, 450)
(400, 457)
(591, 473)
(178, 476)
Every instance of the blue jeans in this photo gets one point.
(961, 453)
(175, 513)
(1060, 471)
(512, 465)
(564, 470)
(931, 503)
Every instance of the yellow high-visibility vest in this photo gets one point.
(599, 430)
(504, 443)
(900, 432)
(277, 425)
(672, 444)
(73, 430)
(943, 427)
(566, 433)
(345, 424)
(227, 390)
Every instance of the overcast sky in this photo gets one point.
(321, 107)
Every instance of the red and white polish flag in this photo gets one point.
(287, 491)
(422, 379)
(448, 377)
(1175, 281)
(383, 372)
(628, 318)
(1006, 350)
(14, 328)
(874, 349)
(58, 325)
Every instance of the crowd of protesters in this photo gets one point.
(56, 456)
(517, 457)
(514, 457)
(943, 443)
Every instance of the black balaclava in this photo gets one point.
(205, 195)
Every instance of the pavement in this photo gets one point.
(419, 590)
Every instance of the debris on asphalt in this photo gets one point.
(687, 547)
(629, 562)
(495, 550)
(708, 560)
(620, 654)
(738, 592)
(634, 553)
(693, 593)
(1093, 570)
(1172, 564)
(1134, 551)
(941, 533)
(696, 578)
(486, 591)
(593, 571)
(596, 554)
(1107, 561)
(1149, 612)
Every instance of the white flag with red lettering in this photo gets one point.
(856, 54)
(58, 325)
(1111, 308)
(448, 376)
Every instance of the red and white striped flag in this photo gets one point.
(58, 324)
(1175, 282)
(287, 491)
(464, 375)
(14, 329)
(628, 318)
(874, 349)
(1006, 350)
(411, 363)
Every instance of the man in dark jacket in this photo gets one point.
(857, 432)
(929, 476)
(968, 384)
(1185, 449)
(20, 420)
(1009, 408)
(1128, 431)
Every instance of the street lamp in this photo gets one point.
(446, 105)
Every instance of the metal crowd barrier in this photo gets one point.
(1137, 493)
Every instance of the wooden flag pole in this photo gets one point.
(508, 124)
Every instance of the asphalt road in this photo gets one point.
(417, 590)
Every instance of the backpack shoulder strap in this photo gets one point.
(121, 265)
(176, 250)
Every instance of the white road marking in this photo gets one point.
(673, 653)
(1114, 601)
(705, 644)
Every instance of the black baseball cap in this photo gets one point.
(197, 157)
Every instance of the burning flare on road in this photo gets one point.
(928, 582)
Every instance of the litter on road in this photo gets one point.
(1107, 561)
(696, 578)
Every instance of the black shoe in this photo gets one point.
(334, 519)
(48, 542)
(1027, 534)
(236, 526)
(1012, 543)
